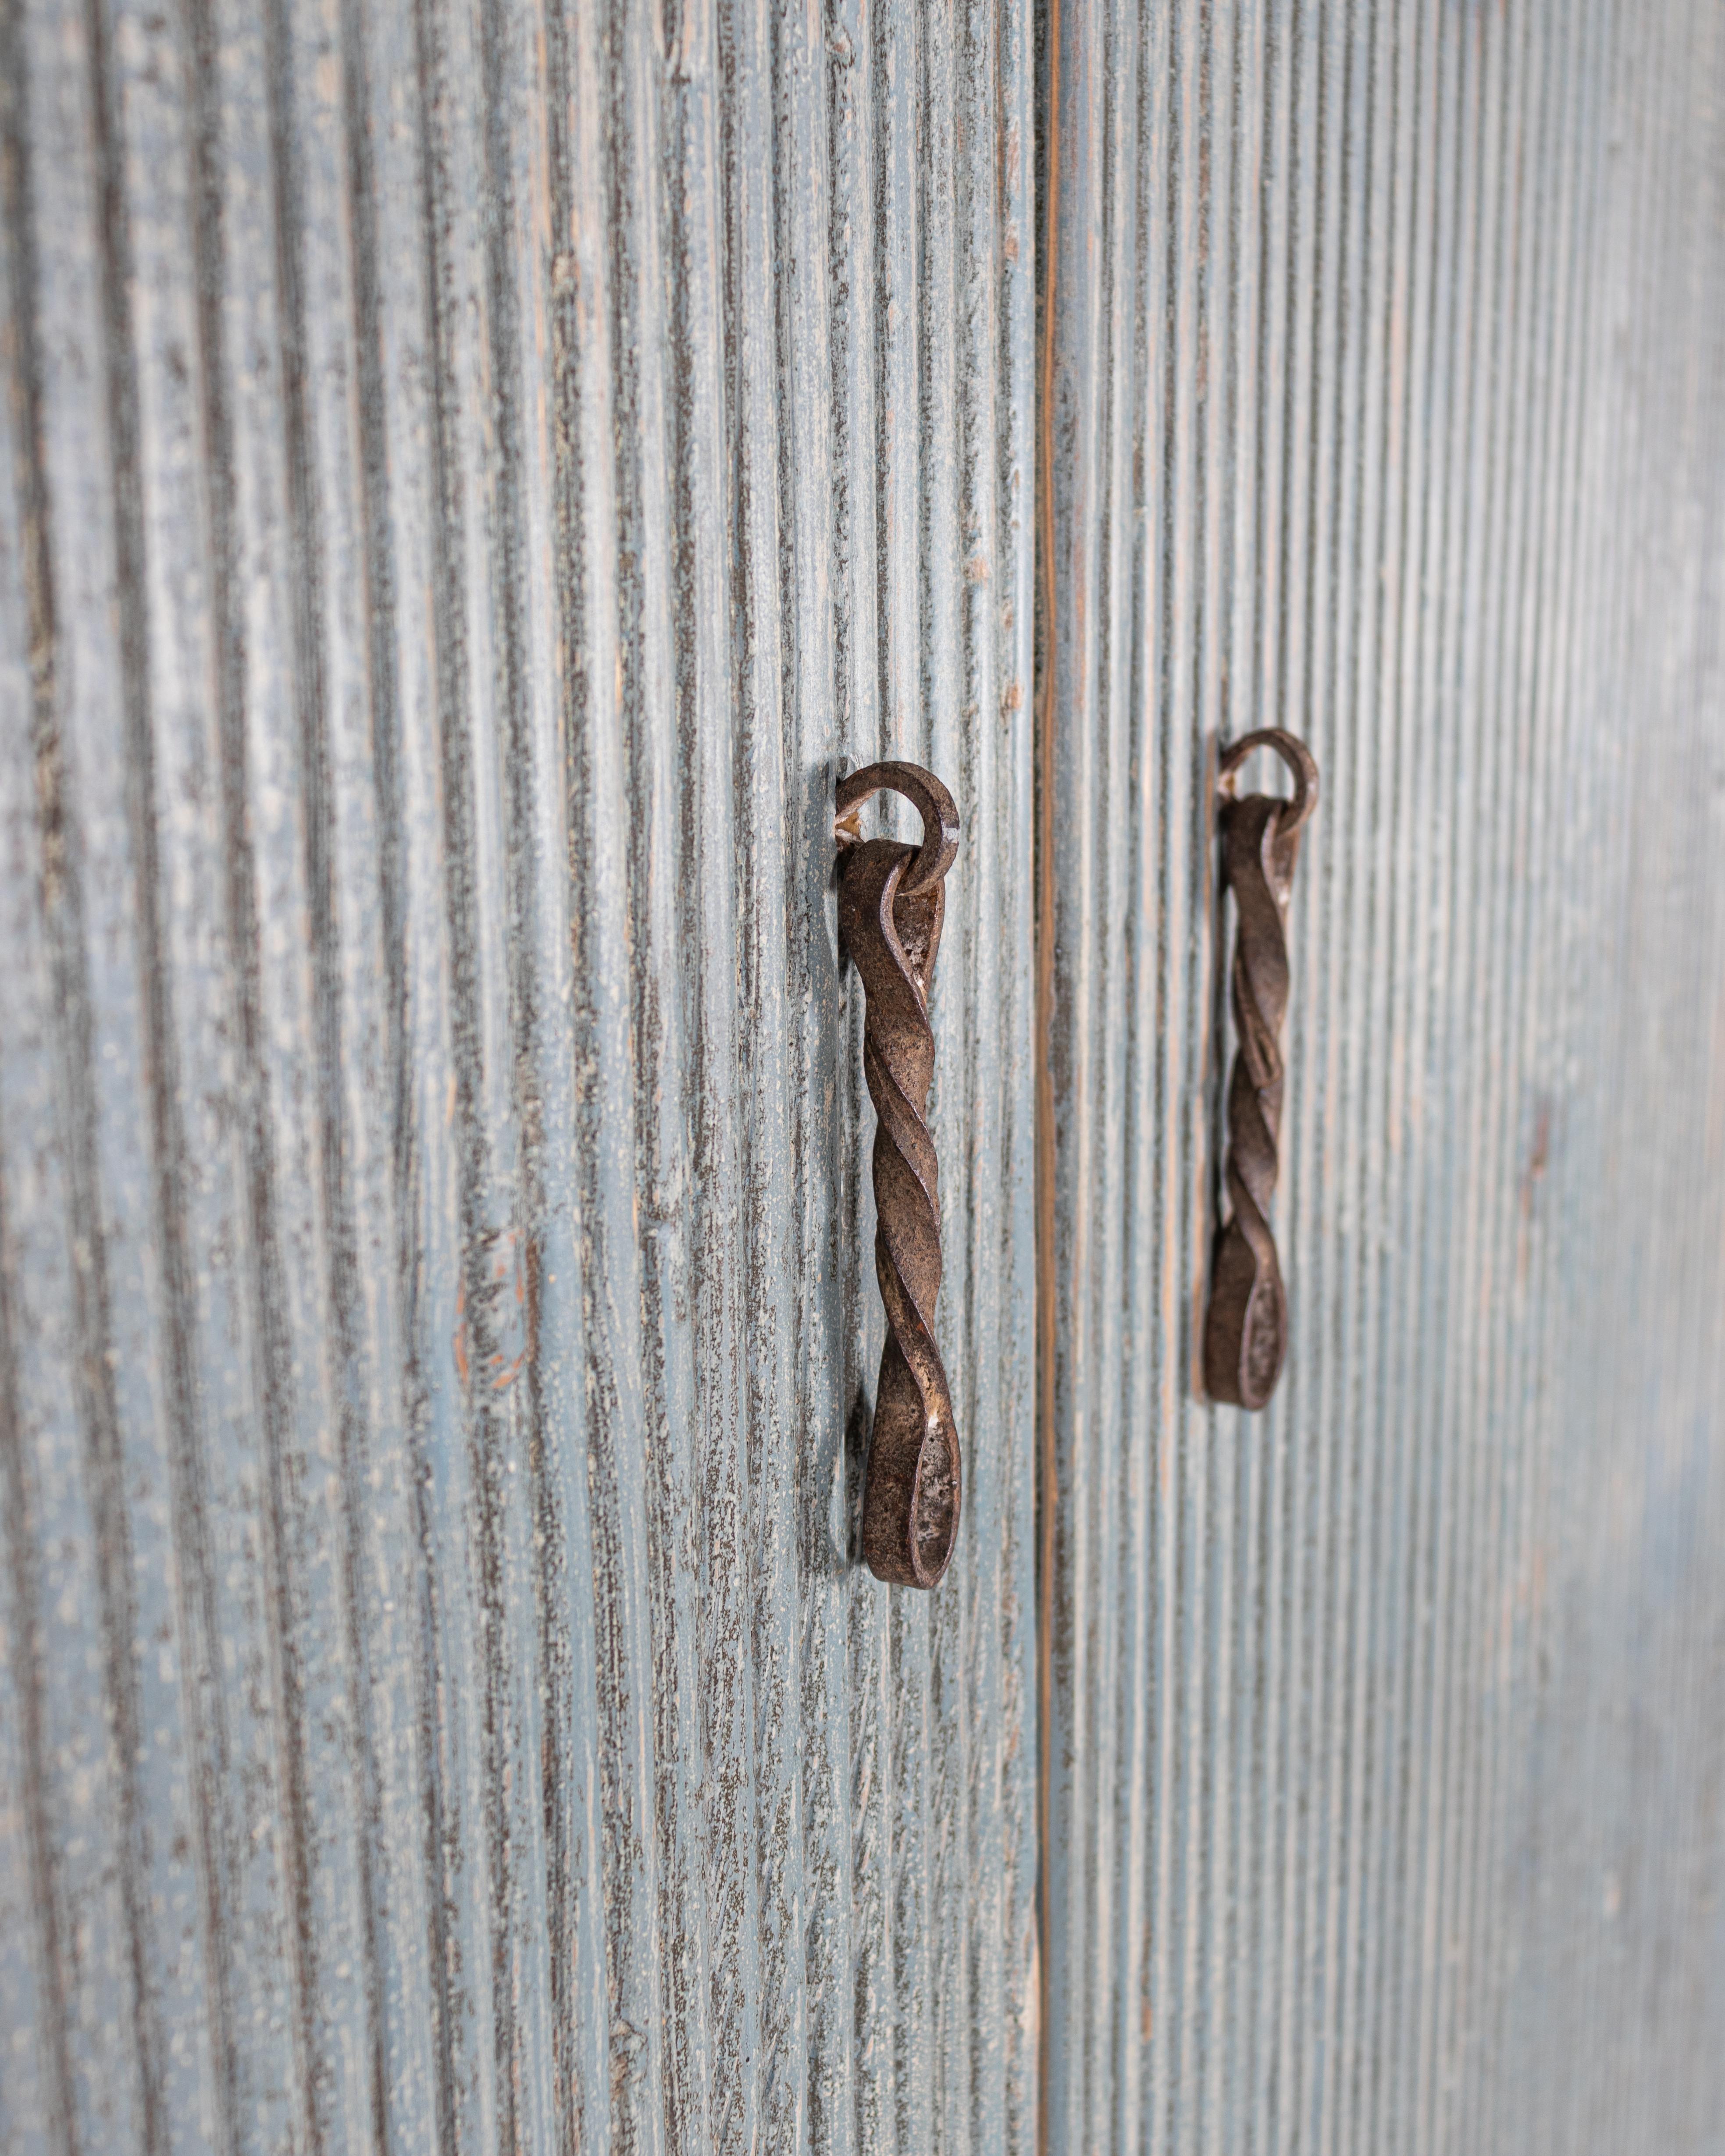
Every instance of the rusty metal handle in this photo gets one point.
(891, 900)
(1246, 1324)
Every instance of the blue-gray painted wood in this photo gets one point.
(1386, 396)
(473, 478)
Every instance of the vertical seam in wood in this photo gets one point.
(1046, 1492)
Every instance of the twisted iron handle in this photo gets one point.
(891, 900)
(1246, 1323)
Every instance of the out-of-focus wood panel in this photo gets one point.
(1385, 401)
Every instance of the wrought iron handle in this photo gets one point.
(1246, 1324)
(891, 898)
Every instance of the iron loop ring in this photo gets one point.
(1302, 767)
(926, 794)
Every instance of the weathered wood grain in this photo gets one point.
(474, 478)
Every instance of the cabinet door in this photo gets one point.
(475, 478)
(1385, 405)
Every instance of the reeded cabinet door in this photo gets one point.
(1385, 405)
(475, 477)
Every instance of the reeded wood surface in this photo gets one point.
(1389, 377)
(473, 477)
(471, 480)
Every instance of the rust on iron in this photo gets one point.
(891, 900)
(1246, 1323)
